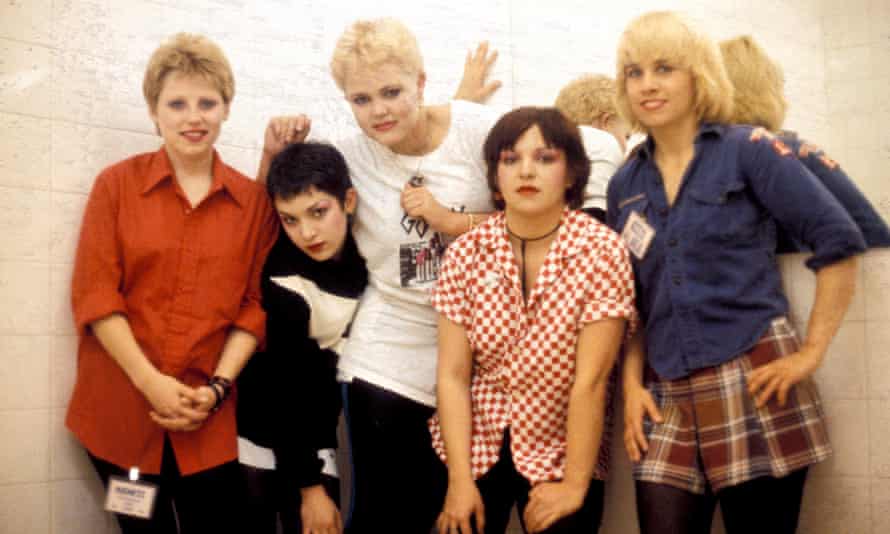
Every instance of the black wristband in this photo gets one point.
(216, 383)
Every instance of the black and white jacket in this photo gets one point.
(288, 397)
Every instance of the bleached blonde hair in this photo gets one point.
(189, 54)
(587, 99)
(759, 98)
(666, 36)
(372, 43)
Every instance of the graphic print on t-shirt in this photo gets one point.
(419, 261)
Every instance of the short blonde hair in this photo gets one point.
(759, 99)
(372, 43)
(192, 55)
(586, 99)
(665, 35)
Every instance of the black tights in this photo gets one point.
(764, 505)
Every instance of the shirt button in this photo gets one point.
(676, 279)
(663, 212)
(188, 211)
(672, 242)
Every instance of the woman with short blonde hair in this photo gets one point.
(166, 300)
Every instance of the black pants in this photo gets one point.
(503, 486)
(268, 501)
(765, 505)
(398, 480)
(208, 501)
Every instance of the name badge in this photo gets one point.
(637, 235)
(131, 497)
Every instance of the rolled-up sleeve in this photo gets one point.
(799, 201)
(610, 285)
(449, 297)
(96, 282)
(251, 316)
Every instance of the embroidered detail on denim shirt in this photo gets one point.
(634, 198)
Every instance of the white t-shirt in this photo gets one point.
(392, 341)
(605, 157)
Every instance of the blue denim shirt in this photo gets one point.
(708, 285)
(870, 223)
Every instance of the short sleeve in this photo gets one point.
(610, 289)
(450, 297)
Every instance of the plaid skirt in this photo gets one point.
(714, 435)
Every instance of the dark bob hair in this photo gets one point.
(302, 166)
(557, 131)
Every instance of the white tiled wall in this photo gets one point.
(70, 103)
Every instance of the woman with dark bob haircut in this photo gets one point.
(533, 304)
(556, 130)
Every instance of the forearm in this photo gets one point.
(455, 223)
(835, 285)
(634, 360)
(584, 431)
(598, 345)
(116, 337)
(238, 349)
(455, 418)
(265, 165)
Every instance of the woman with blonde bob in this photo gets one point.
(760, 101)
(719, 401)
(166, 300)
(420, 178)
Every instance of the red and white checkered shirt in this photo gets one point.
(524, 355)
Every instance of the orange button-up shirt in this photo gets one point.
(183, 277)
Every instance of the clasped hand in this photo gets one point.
(176, 406)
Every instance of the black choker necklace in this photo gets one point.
(523, 241)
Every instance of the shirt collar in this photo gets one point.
(571, 238)
(224, 178)
(705, 130)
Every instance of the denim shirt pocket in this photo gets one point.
(725, 212)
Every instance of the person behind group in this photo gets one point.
(759, 100)
(719, 401)
(533, 307)
(589, 101)
(311, 283)
(420, 179)
(166, 300)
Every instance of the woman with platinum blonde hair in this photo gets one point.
(420, 177)
(719, 402)
(760, 101)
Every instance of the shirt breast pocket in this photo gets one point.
(725, 212)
